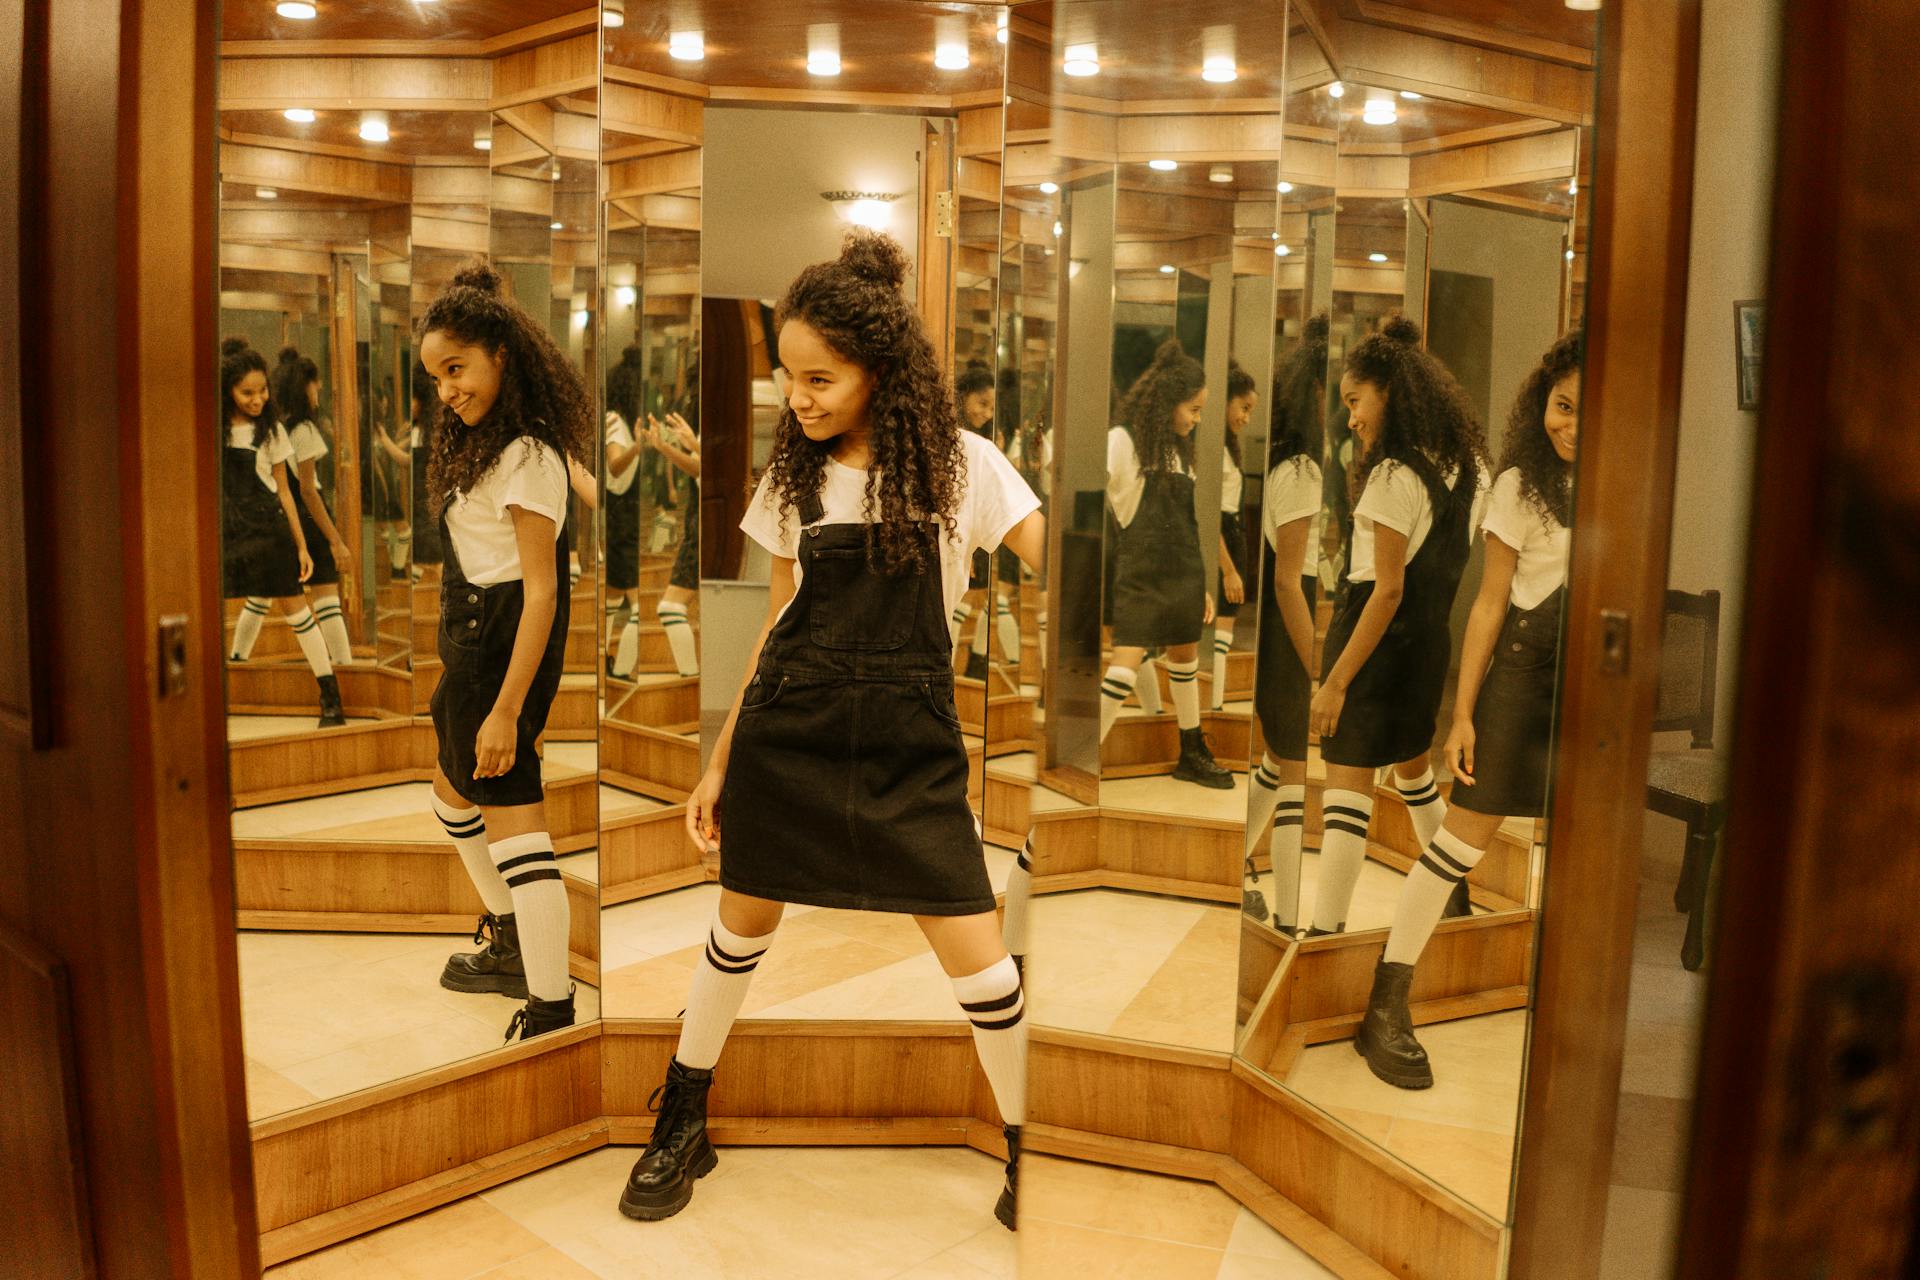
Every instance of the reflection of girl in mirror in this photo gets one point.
(622, 508)
(1420, 469)
(1233, 535)
(390, 488)
(1500, 748)
(264, 556)
(840, 777)
(410, 458)
(1160, 596)
(514, 411)
(1290, 560)
(675, 441)
(296, 397)
(973, 394)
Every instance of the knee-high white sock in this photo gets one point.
(402, 546)
(629, 651)
(333, 629)
(1013, 926)
(306, 630)
(961, 612)
(468, 831)
(1009, 628)
(1184, 677)
(686, 655)
(392, 536)
(1289, 819)
(246, 630)
(980, 633)
(1041, 651)
(996, 1006)
(1222, 646)
(614, 608)
(1343, 850)
(1263, 794)
(1114, 688)
(540, 910)
(1147, 688)
(1445, 864)
(1424, 804)
(720, 981)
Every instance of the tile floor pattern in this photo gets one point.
(851, 1213)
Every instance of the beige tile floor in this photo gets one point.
(849, 1213)
(251, 728)
(823, 963)
(327, 1014)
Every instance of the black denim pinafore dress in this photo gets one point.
(477, 630)
(1394, 701)
(1513, 715)
(847, 782)
(1159, 577)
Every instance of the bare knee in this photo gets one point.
(964, 944)
(748, 916)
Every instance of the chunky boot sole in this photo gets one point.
(1396, 1073)
(664, 1204)
(1217, 781)
(499, 984)
(1003, 1210)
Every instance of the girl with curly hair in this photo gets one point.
(973, 396)
(1289, 586)
(296, 395)
(264, 554)
(1159, 597)
(840, 777)
(1419, 473)
(513, 413)
(1232, 586)
(1500, 748)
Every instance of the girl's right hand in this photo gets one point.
(306, 565)
(1236, 589)
(703, 812)
(1458, 753)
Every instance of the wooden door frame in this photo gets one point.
(1642, 197)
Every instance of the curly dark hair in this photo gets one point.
(1429, 425)
(290, 380)
(237, 360)
(1545, 480)
(1146, 411)
(541, 394)
(919, 462)
(1299, 396)
(1239, 383)
(624, 386)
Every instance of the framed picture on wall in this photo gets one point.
(1749, 340)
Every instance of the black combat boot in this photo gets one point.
(976, 666)
(1197, 763)
(1253, 903)
(332, 714)
(1005, 1208)
(1386, 1033)
(679, 1153)
(1459, 903)
(496, 967)
(539, 1017)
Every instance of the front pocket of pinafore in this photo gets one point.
(463, 618)
(856, 611)
(762, 693)
(940, 702)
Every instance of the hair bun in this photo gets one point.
(1400, 329)
(478, 275)
(1168, 352)
(1317, 328)
(631, 354)
(289, 355)
(874, 256)
(232, 347)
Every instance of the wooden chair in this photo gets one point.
(1690, 784)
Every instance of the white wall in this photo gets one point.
(762, 218)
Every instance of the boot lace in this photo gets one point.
(516, 1025)
(487, 930)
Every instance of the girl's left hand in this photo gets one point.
(341, 556)
(1323, 715)
(683, 432)
(496, 745)
(1236, 589)
(1206, 617)
(306, 565)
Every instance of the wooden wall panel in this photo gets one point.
(40, 1127)
(1129, 1089)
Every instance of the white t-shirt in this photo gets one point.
(1396, 497)
(528, 475)
(620, 436)
(276, 449)
(1233, 485)
(1293, 493)
(1126, 482)
(993, 499)
(308, 444)
(1542, 541)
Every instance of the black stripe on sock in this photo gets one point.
(538, 855)
(1025, 859)
(1347, 811)
(528, 877)
(724, 967)
(1427, 796)
(1347, 827)
(1451, 877)
(1182, 677)
(311, 623)
(1117, 692)
(251, 608)
(1451, 861)
(1290, 820)
(461, 830)
(1291, 806)
(753, 958)
(1000, 1025)
(994, 1005)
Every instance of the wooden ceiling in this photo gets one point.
(885, 46)
(1524, 26)
(414, 134)
(410, 20)
(1150, 50)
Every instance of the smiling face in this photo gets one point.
(1186, 414)
(1240, 412)
(827, 392)
(1366, 408)
(1563, 416)
(313, 393)
(467, 378)
(250, 394)
(978, 408)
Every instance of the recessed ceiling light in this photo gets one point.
(1410, 95)
(555, 226)
(1220, 173)
(1573, 186)
(1585, 6)
(1049, 188)
(626, 295)
(1082, 60)
(1166, 268)
(1059, 229)
(482, 137)
(823, 62)
(951, 57)
(299, 115)
(1000, 24)
(1282, 250)
(1336, 90)
(555, 175)
(266, 193)
(1376, 257)
(1569, 255)
(1219, 70)
(373, 126)
(613, 13)
(1163, 166)
(1285, 187)
(1380, 111)
(687, 46)
(294, 9)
